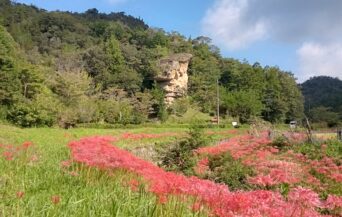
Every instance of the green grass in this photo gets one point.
(97, 194)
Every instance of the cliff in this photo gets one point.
(173, 78)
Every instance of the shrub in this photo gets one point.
(334, 149)
(280, 142)
(115, 112)
(27, 115)
(67, 118)
(87, 110)
(179, 107)
(180, 156)
(310, 150)
(224, 168)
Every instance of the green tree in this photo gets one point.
(242, 104)
(204, 71)
(323, 114)
(70, 87)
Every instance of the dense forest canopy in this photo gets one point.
(323, 99)
(67, 68)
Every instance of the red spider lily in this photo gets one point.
(11, 152)
(66, 163)
(202, 166)
(73, 173)
(134, 184)
(99, 152)
(197, 206)
(20, 194)
(34, 158)
(55, 199)
(333, 202)
(8, 155)
(26, 145)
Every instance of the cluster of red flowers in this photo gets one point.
(11, 152)
(325, 166)
(99, 152)
(275, 172)
(202, 166)
(272, 168)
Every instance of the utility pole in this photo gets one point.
(218, 102)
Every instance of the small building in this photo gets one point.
(293, 124)
(235, 124)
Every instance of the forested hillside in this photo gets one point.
(323, 99)
(68, 68)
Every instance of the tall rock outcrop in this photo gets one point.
(173, 78)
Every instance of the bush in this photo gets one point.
(115, 112)
(179, 107)
(315, 151)
(224, 168)
(26, 115)
(334, 149)
(280, 142)
(191, 115)
(67, 118)
(180, 156)
(87, 110)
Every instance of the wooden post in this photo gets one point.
(339, 134)
(218, 103)
(308, 127)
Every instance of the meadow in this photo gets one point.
(32, 187)
(92, 172)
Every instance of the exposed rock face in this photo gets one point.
(174, 76)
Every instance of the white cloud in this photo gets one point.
(318, 59)
(225, 24)
(314, 26)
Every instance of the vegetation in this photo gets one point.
(323, 100)
(55, 67)
(180, 156)
(225, 169)
(41, 177)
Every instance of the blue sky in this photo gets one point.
(303, 38)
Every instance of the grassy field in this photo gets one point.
(43, 188)
(39, 179)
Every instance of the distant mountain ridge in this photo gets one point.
(323, 91)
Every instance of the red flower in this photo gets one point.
(55, 199)
(133, 184)
(26, 145)
(20, 194)
(100, 153)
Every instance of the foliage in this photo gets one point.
(180, 155)
(242, 104)
(115, 112)
(160, 105)
(323, 101)
(334, 149)
(179, 107)
(324, 115)
(315, 151)
(93, 57)
(224, 168)
(280, 142)
(26, 115)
